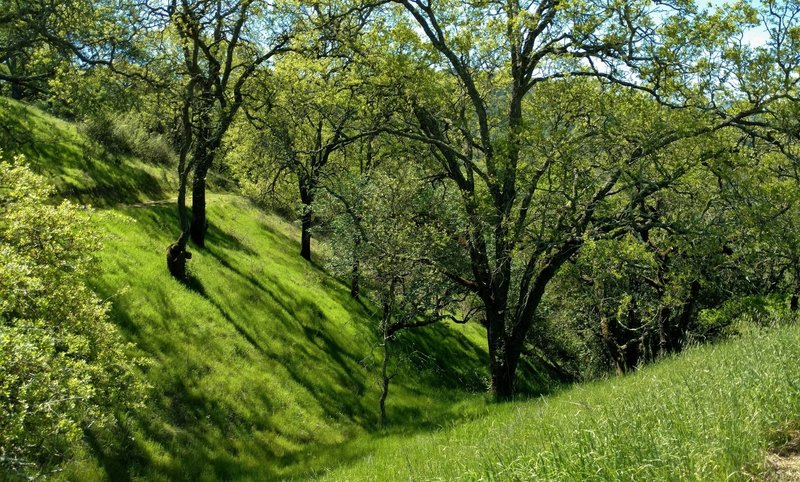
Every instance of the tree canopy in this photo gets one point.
(605, 168)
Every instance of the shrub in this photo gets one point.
(64, 366)
(125, 135)
(106, 133)
(741, 314)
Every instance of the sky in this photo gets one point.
(755, 37)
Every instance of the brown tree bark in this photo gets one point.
(355, 280)
(176, 252)
(502, 359)
(385, 378)
(176, 258)
(306, 197)
(199, 224)
(388, 334)
(305, 236)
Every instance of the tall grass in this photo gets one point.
(709, 415)
(80, 168)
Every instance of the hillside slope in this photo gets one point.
(713, 413)
(80, 168)
(262, 367)
(258, 363)
(263, 355)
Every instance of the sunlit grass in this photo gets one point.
(262, 360)
(263, 368)
(80, 168)
(709, 415)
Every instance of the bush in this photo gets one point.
(125, 135)
(64, 366)
(740, 315)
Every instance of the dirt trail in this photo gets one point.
(783, 469)
(783, 464)
(147, 204)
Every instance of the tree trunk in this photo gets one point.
(612, 347)
(355, 281)
(177, 256)
(16, 87)
(687, 315)
(305, 236)
(199, 224)
(176, 252)
(355, 273)
(385, 378)
(503, 379)
(793, 302)
(663, 319)
(503, 358)
(16, 91)
(305, 185)
(388, 306)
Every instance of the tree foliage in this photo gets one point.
(640, 156)
(65, 368)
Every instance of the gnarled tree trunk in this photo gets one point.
(502, 360)
(177, 256)
(305, 236)
(306, 197)
(176, 252)
(385, 378)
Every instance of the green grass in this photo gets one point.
(258, 364)
(262, 358)
(81, 169)
(708, 415)
(263, 368)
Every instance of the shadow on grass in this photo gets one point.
(193, 283)
(221, 240)
(308, 329)
(84, 171)
(202, 434)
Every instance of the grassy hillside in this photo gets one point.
(263, 368)
(262, 356)
(711, 414)
(81, 169)
(258, 363)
